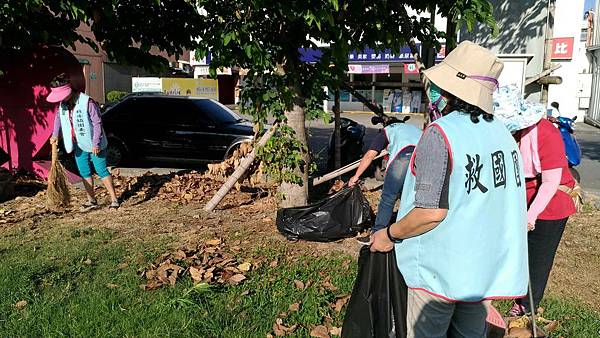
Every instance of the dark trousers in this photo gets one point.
(543, 243)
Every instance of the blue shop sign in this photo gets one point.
(365, 55)
(369, 55)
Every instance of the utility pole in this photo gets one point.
(548, 48)
(336, 130)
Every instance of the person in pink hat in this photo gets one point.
(79, 120)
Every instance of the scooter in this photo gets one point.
(381, 164)
(351, 143)
(567, 130)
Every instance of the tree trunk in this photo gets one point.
(450, 35)
(294, 195)
(336, 130)
(239, 171)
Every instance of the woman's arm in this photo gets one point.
(94, 112)
(56, 130)
(549, 186)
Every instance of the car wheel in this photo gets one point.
(115, 153)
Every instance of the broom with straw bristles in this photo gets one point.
(58, 187)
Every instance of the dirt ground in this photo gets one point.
(154, 206)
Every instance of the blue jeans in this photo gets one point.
(83, 158)
(392, 188)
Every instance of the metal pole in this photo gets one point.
(337, 141)
(548, 47)
(532, 306)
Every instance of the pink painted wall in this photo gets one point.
(26, 119)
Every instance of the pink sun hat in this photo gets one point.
(57, 94)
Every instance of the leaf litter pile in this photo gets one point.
(182, 188)
(212, 262)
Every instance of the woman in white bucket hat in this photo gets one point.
(460, 236)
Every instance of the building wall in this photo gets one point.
(569, 14)
(92, 64)
(521, 25)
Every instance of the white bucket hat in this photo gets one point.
(470, 72)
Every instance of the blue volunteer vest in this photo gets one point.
(82, 124)
(479, 251)
(400, 136)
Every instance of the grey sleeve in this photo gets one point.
(432, 167)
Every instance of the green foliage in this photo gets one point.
(115, 95)
(263, 36)
(125, 29)
(282, 155)
(468, 13)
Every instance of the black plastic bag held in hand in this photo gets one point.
(338, 216)
(377, 307)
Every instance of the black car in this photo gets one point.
(172, 128)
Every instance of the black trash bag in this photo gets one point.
(338, 216)
(377, 307)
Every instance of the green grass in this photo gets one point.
(68, 296)
(575, 320)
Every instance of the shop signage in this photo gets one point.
(206, 88)
(368, 69)
(146, 84)
(562, 48)
(370, 55)
(410, 68)
(204, 71)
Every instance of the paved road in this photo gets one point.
(320, 133)
(589, 169)
(588, 137)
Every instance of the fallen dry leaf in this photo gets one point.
(112, 286)
(340, 302)
(328, 285)
(521, 323)
(214, 242)
(320, 332)
(551, 327)
(236, 279)
(196, 274)
(245, 267)
(277, 329)
(273, 264)
(281, 330)
(295, 307)
(87, 262)
(336, 331)
(179, 254)
(299, 284)
(21, 304)
(519, 332)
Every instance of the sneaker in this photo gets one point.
(89, 205)
(517, 310)
(114, 205)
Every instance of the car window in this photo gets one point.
(165, 110)
(184, 111)
(216, 111)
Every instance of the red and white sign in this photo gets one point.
(410, 68)
(562, 48)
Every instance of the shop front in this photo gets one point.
(385, 78)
